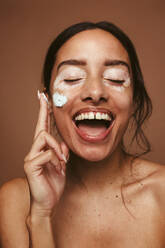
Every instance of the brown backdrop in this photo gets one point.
(26, 29)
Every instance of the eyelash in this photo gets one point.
(115, 81)
(111, 80)
(71, 80)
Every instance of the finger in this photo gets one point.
(49, 122)
(42, 123)
(44, 140)
(65, 151)
(36, 165)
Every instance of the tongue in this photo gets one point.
(92, 128)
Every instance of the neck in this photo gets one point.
(97, 175)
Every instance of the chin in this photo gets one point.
(94, 153)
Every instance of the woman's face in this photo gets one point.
(91, 92)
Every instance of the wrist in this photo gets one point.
(33, 221)
(36, 211)
(41, 231)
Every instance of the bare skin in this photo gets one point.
(111, 200)
(102, 219)
(94, 219)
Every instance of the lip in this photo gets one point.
(89, 138)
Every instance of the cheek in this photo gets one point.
(60, 121)
(123, 101)
(63, 97)
(62, 104)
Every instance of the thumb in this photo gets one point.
(65, 150)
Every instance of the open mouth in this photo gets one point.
(93, 126)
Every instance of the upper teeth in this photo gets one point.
(93, 115)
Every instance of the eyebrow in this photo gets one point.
(83, 63)
(71, 62)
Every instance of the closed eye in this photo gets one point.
(72, 80)
(115, 81)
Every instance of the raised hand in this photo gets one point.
(45, 165)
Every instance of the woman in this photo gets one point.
(82, 187)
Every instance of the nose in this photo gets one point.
(94, 91)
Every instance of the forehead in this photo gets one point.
(92, 46)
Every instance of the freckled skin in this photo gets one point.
(112, 200)
(119, 102)
(97, 214)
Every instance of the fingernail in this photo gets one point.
(62, 172)
(64, 158)
(38, 94)
(46, 99)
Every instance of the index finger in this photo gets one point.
(43, 118)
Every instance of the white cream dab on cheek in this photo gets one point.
(59, 100)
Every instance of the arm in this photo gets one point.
(41, 233)
(26, 209)
(45, 171)
(15, 222)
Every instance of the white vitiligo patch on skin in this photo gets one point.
(73, 76)
(117, 74)
(67, 78)
(59, 99)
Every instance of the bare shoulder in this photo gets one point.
(14, 209)
(15, 193)
(151, 174)
(148, 170)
